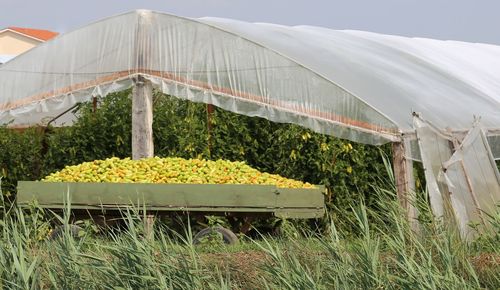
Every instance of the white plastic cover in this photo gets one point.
(473, 181)
(462, 178)
(356, 85)
(435, 149)
(461, 199)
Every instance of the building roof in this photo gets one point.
(39, 34)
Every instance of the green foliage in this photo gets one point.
(181, 129)
(20, 157)
(95, 135)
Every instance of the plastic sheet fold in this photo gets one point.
(435, 149)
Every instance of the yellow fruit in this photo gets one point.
(170, 170)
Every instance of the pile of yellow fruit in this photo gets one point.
(170, 170)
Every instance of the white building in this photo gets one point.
(16, 40)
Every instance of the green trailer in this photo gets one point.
(104, 202)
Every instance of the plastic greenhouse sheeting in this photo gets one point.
(461, 175)
(351, 84)
(473, 180)
(435, 149)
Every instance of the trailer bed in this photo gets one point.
(200, 198)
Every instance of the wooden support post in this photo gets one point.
(142, 99)
(210, 112)
(405, 183)
(142, 131)
(142, 119)
(400, 172)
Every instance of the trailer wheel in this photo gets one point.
(227, 235)
(74, 230)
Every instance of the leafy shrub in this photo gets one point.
(20, 157)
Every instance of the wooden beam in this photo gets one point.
(142, 119)
(210, 112)
(405, 182)
(399, 165)
(94, 104)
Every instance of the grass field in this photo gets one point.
(366, 250)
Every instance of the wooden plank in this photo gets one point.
(186, 195)
(281, 213)
(302, 214)
(122, 207)
(297, 197)
(142, 119)
(175, 197)
(405, 187)
(400, 172)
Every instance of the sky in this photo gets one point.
(465, 20)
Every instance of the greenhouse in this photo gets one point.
(438, 102)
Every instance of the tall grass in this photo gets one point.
(380, 252)
(386, 254)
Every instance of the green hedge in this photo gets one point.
(181, 129)
(20, 157)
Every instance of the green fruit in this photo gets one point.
(170, 170)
